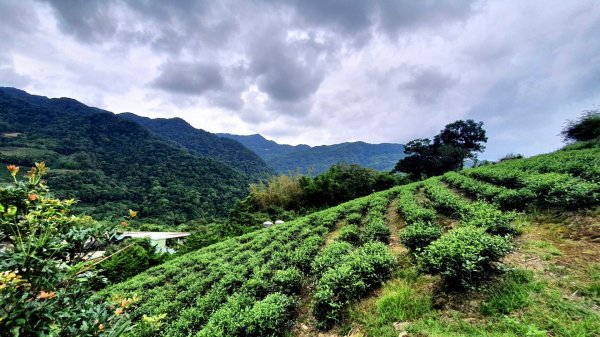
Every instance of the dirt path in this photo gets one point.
(395, 223)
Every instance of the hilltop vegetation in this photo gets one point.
(303, 159)
(206, 144)
(319, 271)
(112, 164)
(287, 197)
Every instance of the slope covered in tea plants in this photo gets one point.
(480, 259)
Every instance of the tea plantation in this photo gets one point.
(447, 256)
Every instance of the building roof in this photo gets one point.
(155, 235)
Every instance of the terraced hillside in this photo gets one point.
(505, 250)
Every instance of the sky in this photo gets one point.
(317, 71)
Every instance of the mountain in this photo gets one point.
(112, 164)
(206, 144)
(285, 158)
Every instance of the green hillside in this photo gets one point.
(206, 144)
(287, 158)
(504, 250)
(112, 164)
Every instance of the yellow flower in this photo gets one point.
(41, 167)
(13, 169)
(101, 327)
(119, 311)
(132, 213)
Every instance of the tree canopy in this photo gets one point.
(585, 128)
(448, 151)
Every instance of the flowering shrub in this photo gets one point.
(45, 277)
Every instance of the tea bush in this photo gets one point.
(365, 268)
(419, 235)
(463, 255)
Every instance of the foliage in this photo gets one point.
(479, 214)
(131, 257)
(286, 197)
(419, 235)
(45, 279)
(463, 255)
(364, 268)
(449, 149)
(280, 192)
(585, 128)
(316, 160)
(206, 144)
(126, 166)
(351, 234)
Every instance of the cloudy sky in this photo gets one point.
(317, 71)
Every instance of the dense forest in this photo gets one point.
(112, 164)
(206, 144)
(303, 159)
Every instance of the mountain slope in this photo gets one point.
(112, 164)
(206, 144)
(318, 272)
(285, 158)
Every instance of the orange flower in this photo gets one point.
(13, 169)
(119, 311)
(124, 224)
(31, 172)
(32, 197)
(46, 295)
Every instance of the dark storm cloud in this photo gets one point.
(88, 21)
(189, 78)
(358, 17)
(427, 85)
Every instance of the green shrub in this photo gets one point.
(463, 255)
(364, 269)
(419, 235)
(137, 255)
(350, 234)
(270, 317)
(330, 256)
(305, 253)
(46, 282)
(354, 218)
(481, 214)
(376, 231)
(287, 281)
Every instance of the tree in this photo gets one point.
(455, 143)
(586, 127)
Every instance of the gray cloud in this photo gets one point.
(427, 85)
(189, 78)
(337, 70)
(287, 70)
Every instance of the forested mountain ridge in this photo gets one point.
(112, 164)
(285, 158)
(205, 143)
